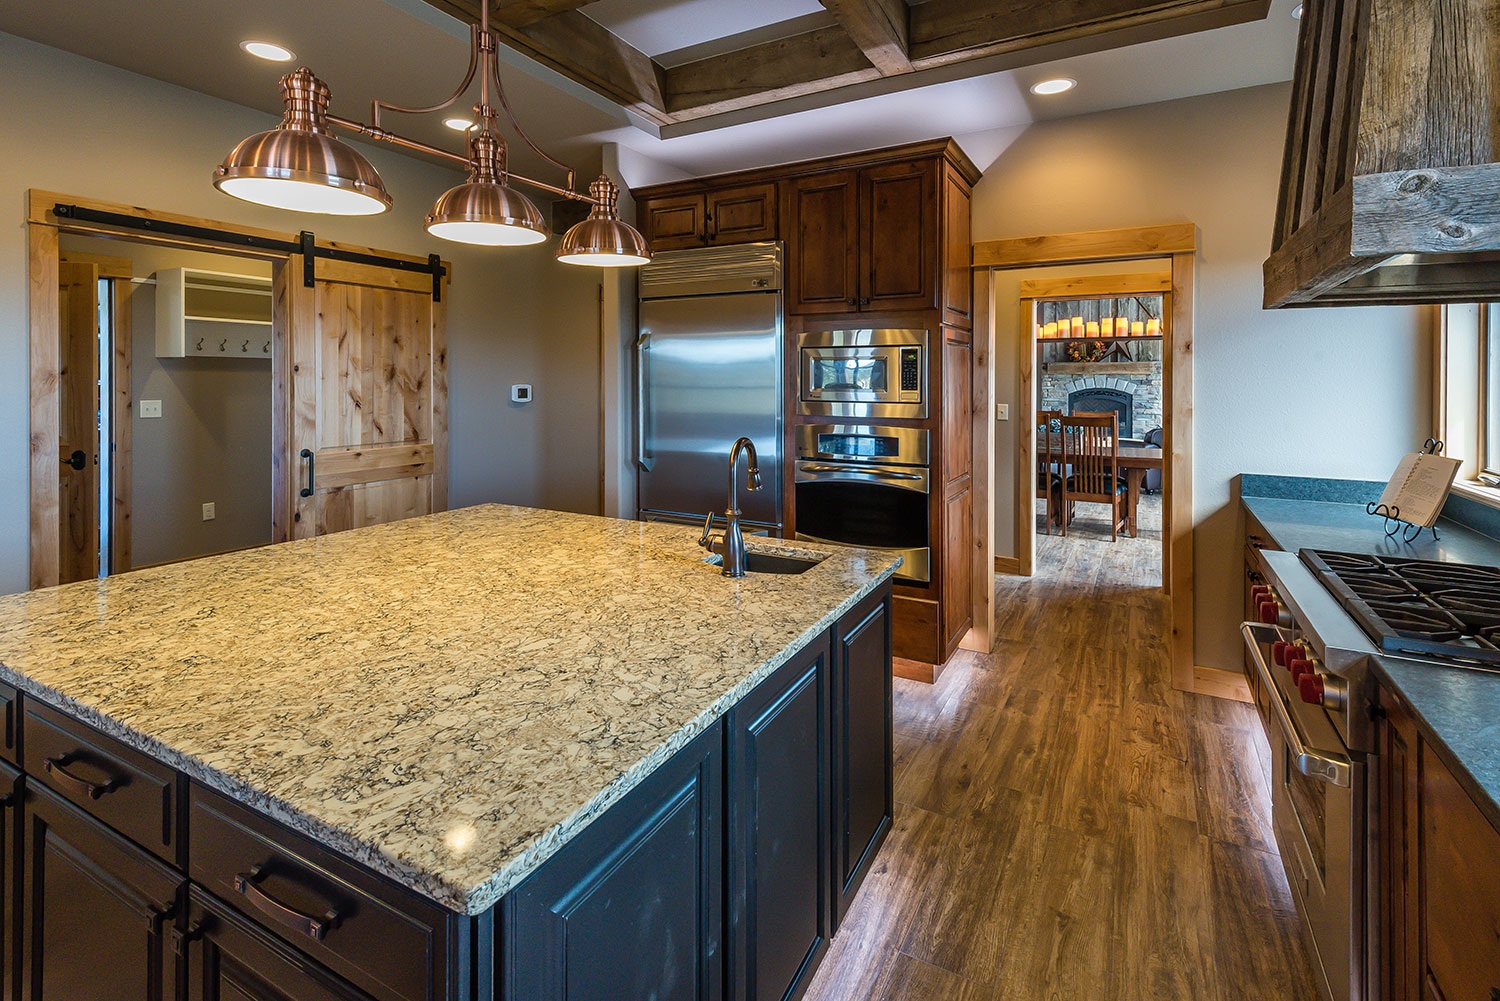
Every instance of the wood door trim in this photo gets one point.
(46, 405)
(1177, 382)
(1081, 248)
(345, 467)
(1096, 286)
(121, 465)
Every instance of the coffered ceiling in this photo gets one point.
(859, 41)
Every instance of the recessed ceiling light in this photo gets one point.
(458, 124)
(1060, 85)
(1297, 12)
(268, 50)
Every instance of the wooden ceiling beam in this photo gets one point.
(520, 13)
(880, 29)
(581, 49)
(940, 32)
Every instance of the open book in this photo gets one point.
(1418, 488)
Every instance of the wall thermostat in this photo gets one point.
(520, 393)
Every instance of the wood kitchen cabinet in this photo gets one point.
(778, 786)
(739, 214)
(822, 261)
(1440, 864)
(97, 912)
(863, 779)
(581, 927)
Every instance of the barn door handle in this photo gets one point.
(77, 460)
(307, 454)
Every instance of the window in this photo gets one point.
(1489, 340)
(1467, 395)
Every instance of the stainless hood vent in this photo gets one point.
(1390, 184)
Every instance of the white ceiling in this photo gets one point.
(658, 26)
(406, 51)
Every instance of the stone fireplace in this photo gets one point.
(1131, 388)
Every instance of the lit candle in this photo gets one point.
(1091, 329)
(1122, 324)
(1137, 329)
(1050, 330)
(1153, 328)
(1077, 326)
(1107, 327)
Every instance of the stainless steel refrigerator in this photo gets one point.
(708, 370)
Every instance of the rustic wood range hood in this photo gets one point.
(1390, 189)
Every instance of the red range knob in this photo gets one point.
(1279, 651)
(1310, 685)
(1268, 611)
(1260, 592)
(1299, 666)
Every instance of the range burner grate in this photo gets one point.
(1418, 607)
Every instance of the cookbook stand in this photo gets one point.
(1391, 513)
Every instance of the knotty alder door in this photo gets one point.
(78, 421)
(361, 429)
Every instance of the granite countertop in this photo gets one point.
(446, 700)
(1458, 712)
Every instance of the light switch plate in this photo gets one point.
(208, 511)
(1002, 411)
(150, 408)
(520, 393)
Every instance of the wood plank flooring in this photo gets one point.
(1068, 826)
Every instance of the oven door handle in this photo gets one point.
(842, 469)
(1326, 766)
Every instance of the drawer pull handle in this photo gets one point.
(57, 768)
(314, 928)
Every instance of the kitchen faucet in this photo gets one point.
(733, 542)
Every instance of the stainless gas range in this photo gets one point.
(1323, 617)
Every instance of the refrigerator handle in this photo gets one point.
(642, 346)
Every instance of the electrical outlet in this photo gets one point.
(208, 511)
(1002, 411)
(150, 408)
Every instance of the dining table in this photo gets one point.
(1134, 462)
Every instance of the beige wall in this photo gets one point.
(1319, 392)
(515, 315)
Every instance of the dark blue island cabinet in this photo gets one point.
(723, 874)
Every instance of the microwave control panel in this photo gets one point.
(911, 371)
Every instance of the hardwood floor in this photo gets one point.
(1068, 826)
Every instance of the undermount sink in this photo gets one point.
(767, 563)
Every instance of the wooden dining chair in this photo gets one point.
(1049, 466)
(1092, 448)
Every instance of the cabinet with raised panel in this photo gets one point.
(736, 214)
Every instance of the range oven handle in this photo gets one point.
(1325, 766)
(844, 469)
(818, 472)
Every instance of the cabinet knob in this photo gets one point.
(852, 301)
(865, 301)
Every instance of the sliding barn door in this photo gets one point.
(361, 398)
(78, 421)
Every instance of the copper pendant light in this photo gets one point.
(300, 165)
(484, 209)
(602, 240)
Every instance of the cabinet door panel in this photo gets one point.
(673, 223)
(229, 959)
(823, 244)
(898, 236)
(958, 278)
(779, 829)
(1460, 867)
(862, 757)
(742, 215)
(633, 906)
(11, 789)
(97, 909)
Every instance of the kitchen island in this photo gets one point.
(492, 752)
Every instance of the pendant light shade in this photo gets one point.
(603, 240)
(484, 209)
(300, 164)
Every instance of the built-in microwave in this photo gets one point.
(862, 373)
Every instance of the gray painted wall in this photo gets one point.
(515, 315)
(1314, 392)
(213, 439)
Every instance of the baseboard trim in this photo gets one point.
(1008, 565)
(916, 670)
(1221, 684)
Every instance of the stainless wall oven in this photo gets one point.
(867, 486)
(862, 373)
